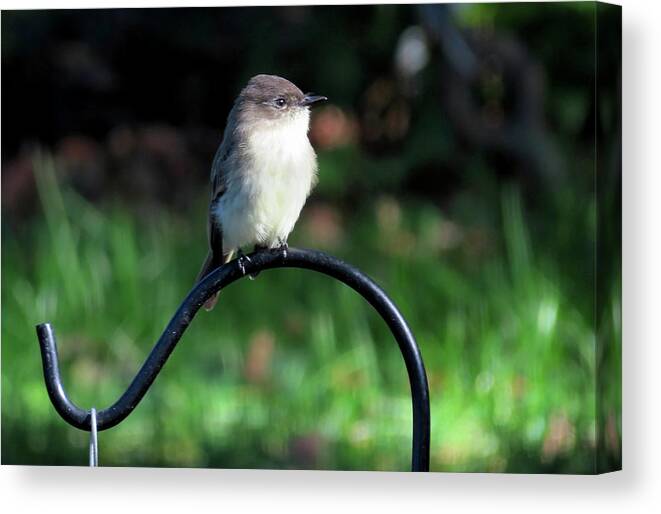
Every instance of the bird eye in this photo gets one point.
(280, 102)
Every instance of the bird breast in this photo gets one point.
(278, 173)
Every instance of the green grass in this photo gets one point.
(293, 370)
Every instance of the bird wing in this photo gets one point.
(215, 256)
(218, 188)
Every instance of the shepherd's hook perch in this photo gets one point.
(216, 280)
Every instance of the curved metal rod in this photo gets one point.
(218, 279)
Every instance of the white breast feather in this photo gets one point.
(262, 205)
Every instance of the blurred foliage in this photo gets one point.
(486, 248)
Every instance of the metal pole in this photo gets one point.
(218, 279)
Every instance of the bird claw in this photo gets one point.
(241, 261)
(283, 248)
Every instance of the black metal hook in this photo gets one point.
(216, 280)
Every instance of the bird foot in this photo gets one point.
(283, 248)
(241, 261)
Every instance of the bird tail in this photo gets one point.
(210, 264)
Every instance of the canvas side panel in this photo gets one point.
(608, 287)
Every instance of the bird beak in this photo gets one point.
(310, 98)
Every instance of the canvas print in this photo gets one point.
(361, 237)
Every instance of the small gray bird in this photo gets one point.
(262, 172)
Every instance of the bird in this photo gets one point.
(262, 173)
